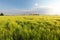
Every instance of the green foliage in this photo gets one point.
(29, 28)
(1, 14)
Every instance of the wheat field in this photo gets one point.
(29, 27)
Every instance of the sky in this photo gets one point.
(48, 7)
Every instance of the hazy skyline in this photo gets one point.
(51, 7)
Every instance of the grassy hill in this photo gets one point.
(29, 27)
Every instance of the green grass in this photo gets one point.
(29, 27)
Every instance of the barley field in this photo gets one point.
(29, 27)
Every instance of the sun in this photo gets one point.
(54, 8)
(36, 4)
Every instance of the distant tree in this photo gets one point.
(1, 14)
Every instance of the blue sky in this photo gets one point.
(22, 4)
(16, 6)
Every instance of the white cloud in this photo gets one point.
(51, 9)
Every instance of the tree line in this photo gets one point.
(1, 14)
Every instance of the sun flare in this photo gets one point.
(55, 8)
